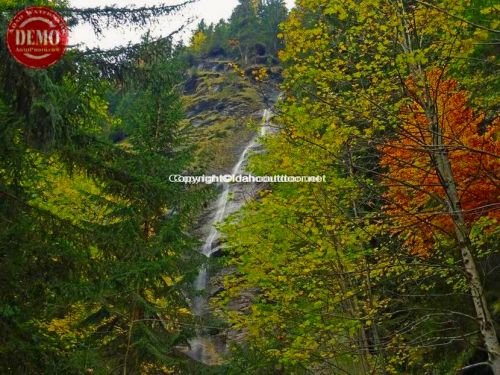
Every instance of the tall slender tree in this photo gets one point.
(93, 235)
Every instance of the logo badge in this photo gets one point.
(37, 37)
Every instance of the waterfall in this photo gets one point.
(203, 348)
(221, 206)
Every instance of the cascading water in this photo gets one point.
(203, 348)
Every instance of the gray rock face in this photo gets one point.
(191, 85)
(220, 104)
(202, 106)
(231, 199)
(218, 252)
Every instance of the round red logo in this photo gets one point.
(37, 37)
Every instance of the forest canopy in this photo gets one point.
(94, 251)
(391, 266)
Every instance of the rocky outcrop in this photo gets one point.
(191, 85)
(220, 104)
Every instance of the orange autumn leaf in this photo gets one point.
(416, 196)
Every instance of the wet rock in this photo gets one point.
(191, 85)
(217, 290)
(243, 302)
(213, 331)
(197, 123)
(221, 67)
(217, 243)
(220, 106)
(202, 106)
(218, 253)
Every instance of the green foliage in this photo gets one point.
(251, 30)
(95, 255)
(93, 247)
(335, 288)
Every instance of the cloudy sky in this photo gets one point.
(210, 10)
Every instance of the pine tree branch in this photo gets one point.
(113, 62)
(110, 16)
(102, 17)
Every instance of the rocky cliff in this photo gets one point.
(224, 106)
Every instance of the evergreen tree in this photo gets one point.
(272, 13)
(252, 24)
(93, 245)
(243, 23)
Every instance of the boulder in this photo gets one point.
(218, 252)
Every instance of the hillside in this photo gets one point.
(388, 264)
(221, 106)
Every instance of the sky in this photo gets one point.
(210, 10)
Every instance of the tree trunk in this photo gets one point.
(495, 365)
(352, 310)
(377, 347)
(442, 165)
